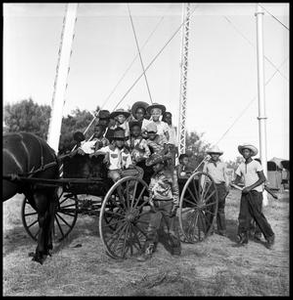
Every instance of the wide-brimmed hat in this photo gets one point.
(215, 150)
(134, 123)
(156, 105)
(248, 146)
(137, 105)
(119, 133)
(155, 158)
(104, 114)
(151, 127)
(118, 112)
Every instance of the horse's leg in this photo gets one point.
(42, 207)
(53, 198)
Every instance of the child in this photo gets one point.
(100, 140)
(156, 110)
(137, 144)
(164, 201)
(183, 169)
(139, 113)
(117, 157)
(172, 143)
(218, 171)
(156, 143)
(251, 198)
(120, 116)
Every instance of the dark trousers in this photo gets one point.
(222, 194)
(250, 207)
(160, 220)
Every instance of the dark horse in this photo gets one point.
(28, 156)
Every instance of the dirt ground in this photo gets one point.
(214, 267)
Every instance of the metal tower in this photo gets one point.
(183, 82)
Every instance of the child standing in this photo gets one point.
(164, 200)
(120, 116)
(218, 171)
(251, 198)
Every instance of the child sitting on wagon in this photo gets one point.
(137, 144)
(120, 116)
(183, 169)
(118, 158)
(156, 143)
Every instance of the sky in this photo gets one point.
(222, 64)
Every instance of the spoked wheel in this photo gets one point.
(64, 219)
(124, 217)
(198, 207)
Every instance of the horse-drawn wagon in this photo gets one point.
(123, 207)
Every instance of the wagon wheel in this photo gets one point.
(64, 219)
(123, 217)
(198, 207)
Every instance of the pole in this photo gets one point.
(183, 82)
(261, 94)
(62, 74)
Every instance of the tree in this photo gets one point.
(196, 149)
(27, 116)
(234, 164)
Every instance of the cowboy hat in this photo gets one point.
(155, 158)
(215, 150)
(134, 123)
(118, 112)
(248, 146)
(156, 105)
(138, 104)
(104, 114)
(119, 134)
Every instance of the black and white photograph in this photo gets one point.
(145, 149)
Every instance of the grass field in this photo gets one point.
(214, 267)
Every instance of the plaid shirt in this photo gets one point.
(164, 186)
(157, 145)
(138, 148)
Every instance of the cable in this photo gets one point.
(274, 17)
(228, 20)
(241, 114)
(154, 58)
(137, 45)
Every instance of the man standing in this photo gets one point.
(217, 170)
(251, 198)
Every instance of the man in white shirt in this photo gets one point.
(251, 198)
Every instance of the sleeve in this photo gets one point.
(128, 161)
(259, 167)
(147, 149)
(205, 168)
(103, 150)
(175, 189)
(225, 175)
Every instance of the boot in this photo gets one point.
(147, 254)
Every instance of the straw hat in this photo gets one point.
(118, 112)
(215, 150)
(248, 146)
(138, 104)
(156, 105)
(155, 158)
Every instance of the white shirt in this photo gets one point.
(119, 159)
(88, 146)
(172, 135)
(249, 173)
(217, 172)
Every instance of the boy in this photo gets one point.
(251, 198)
(137, 144)
(172, 143)
(164, 201)
(218, 171)
(120, 116)
(100, 140)
(117, 157)
(183, 169)
(139, 113)
(156, 110)
(156, 143)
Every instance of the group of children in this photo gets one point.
(147, 135)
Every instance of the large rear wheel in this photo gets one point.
(198, 207)
(124, 217)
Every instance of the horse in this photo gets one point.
(27, 156)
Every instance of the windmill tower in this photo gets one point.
(183, 81)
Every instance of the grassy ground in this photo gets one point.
(214, 267)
